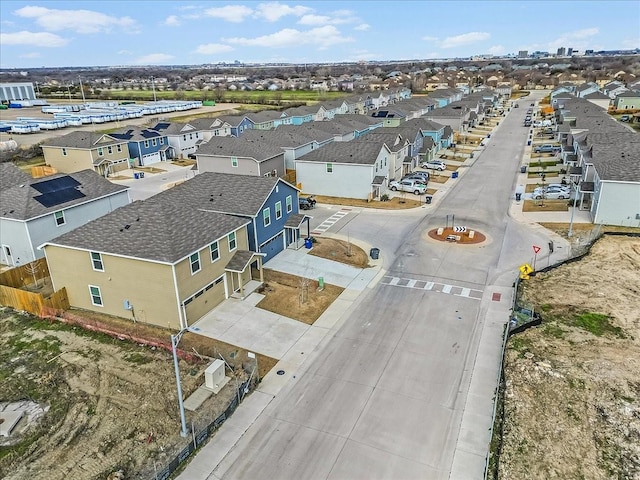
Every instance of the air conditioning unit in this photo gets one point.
(214, 377)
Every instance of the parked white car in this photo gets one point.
(408, 186)
(434, 165)
(554, 194)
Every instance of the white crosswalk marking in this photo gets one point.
(433, 286)
(329, 222)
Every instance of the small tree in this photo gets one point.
(32, 269)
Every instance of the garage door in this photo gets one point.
(272, 247)
(151, 158)
(205, 300)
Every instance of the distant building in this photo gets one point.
(16, 91)
(523, 54)
(562, 51)
(569, 52)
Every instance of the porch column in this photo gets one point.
(260, 269)
(241, 285)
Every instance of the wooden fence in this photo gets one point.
(13, 293)
(42, 171)
(32, 302)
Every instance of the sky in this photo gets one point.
(116, 33)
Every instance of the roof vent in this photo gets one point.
(127, 227)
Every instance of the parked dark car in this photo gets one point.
(192, 156)
(306, 203)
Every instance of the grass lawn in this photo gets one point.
(394, 203)
(545, 206)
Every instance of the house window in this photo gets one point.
(119, 148)
(278, 210)
(194, 260)
(215, 251)
(329, 167)
(100, 151)
(96, 261)
(64, 152)
(146, 144)
(266, 216)
(162, 141)
(109, 149)
(96, 296)
(191, 136)
(184, 137)
(232, 241)
(234, 161)
(154, 142)
(59, 216)
(289, 202)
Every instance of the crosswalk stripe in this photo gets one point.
(433, 286)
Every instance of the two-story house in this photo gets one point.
(83, 150)
(183, 137)
(146, 146)
(35, 210)
(154, 261)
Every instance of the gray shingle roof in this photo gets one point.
(19, 203)
(81, 139)
(223, 193)
(175, 128)
(154, 229)
(239, 147)
(264, 116)
(240, 260)
(135, 134)
(10, 176)
(355, 151)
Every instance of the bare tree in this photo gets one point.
(32, 269)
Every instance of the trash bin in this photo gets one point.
(308, 243)
(528, 143)
(454, 175)
(374, 253)
(518, 196)
(488, 135)
(523, 169)
(136, 176)
(427, 199)
(471, 155)
(141, 174)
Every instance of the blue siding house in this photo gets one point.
(269, 203)
(146, 146)
(238, 123)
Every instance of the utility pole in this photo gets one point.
(153, 86)
(82, 90)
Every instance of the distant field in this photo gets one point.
(266, 97)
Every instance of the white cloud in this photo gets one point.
(172, 21)
(153, 58)
(322, 37)
(312, 19)
(430, 39)
(578, 39)
(362, 27)
(34, 39)
(464, 39)
(229, 13)
(274, 11)
(213, 49)
(497, 50)
(79, 21)
(31, 55)
(125, 52)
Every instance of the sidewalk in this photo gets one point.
(297, 262)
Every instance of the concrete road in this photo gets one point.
(404, 386)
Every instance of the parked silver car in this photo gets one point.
(413, 186)
(434, 165)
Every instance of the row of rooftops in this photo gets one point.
(612, 147)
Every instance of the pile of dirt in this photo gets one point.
(572, 385)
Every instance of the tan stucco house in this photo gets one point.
(81, 150)
(154, 261)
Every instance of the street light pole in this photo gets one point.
(175, 339)
(573, 208)
(153, 85)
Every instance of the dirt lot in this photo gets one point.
(394, 203)
(572, 391)
(340, 251)
(110, 404)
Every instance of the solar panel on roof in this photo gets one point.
(149, 133)
(55, 184)
(59, 197)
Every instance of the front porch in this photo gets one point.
(240, 273)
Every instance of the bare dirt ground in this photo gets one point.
(111, 404)
(340, 251)
(572, 384)
(394, 203)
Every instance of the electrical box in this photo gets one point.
(127, 305)
(214, 377)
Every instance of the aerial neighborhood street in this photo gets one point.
(297, 270)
